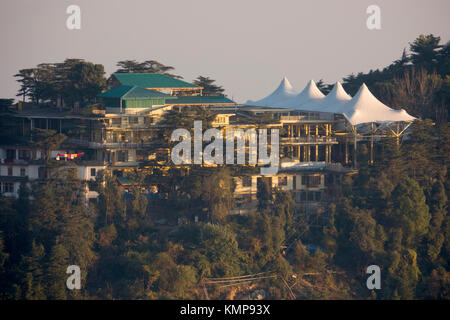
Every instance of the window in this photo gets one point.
(133, 120)
(303, 196)
(247, 181)
(8, 187)
(310, 196)
(42, 172)
(93, 172)
(10, 171)
(116, 121)
(282, 181)
(318, 196)
(148, 120)
(304, 180)
(24, 154)
(22, 172)
(315, 180)
(10, 154)
(122, 156)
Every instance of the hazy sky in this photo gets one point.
(246, 45)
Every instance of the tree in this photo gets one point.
(74, 81)
(148, 66)
(59, 221)
(264, 194)
(34, 286)
(209, 88)
(218, 244)
(403, 275)
(85, 81)
(111, 202)
(3, 274)
(425, 51)
(216, 192)
(48, 141)
(56, 272)
(410, 212)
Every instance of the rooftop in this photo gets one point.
(133, 92)
(152, 81)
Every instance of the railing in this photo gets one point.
(14, 161)
(292, 118)
(308, 139)
(104, 145)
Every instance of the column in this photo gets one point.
(329, 153)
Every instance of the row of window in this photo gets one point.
(307, 180)
(7, 187)
(11, 172)
(301, 196)
(131, 120)
(22, 154)
(308, 196)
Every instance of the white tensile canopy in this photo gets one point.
(309, 95)
(333, 100)
(285, 91)
(365, 108)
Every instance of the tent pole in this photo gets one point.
(355, 147)
(371, 143)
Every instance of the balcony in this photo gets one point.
(308, 140)
(109, 145)
(14, 161)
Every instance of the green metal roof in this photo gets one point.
(133, 92)
(125, 181)
(205, 100)
(152, 80)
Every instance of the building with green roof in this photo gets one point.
(126, 96)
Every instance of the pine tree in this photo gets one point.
(410, 212)
(56, 273)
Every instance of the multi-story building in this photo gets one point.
(122, 131)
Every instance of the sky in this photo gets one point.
(247, 46)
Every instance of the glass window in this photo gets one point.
(303, 196)
(247, 181)
(318, 195)
(22, 172)
(133, 120)
(303, 180)
(24, 154)
(282, 181)
(8, 187)
(93, 172)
